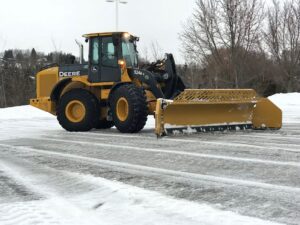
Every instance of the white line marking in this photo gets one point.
(200, 141)
(159, 171)
(270, 136)
(175, 152)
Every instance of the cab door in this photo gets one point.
(103, 60)
(94, 60)
(110, 69)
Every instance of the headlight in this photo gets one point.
(126, 36)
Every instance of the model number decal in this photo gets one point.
(69, 74)
(138, 72)
(142, 74)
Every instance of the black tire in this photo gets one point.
(104, 124)
(91, 115)
(137, 108)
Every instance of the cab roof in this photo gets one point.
(102, 34)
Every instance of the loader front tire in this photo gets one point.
(129, 108)
(78, 110)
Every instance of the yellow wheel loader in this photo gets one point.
(112, 90)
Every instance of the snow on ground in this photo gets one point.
(112, 203)
(41, 184)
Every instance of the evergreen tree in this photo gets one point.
(33, 56)
(8, 54)
(19, 57)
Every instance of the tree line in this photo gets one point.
(17, 73)
(226, 44)
(243, 44)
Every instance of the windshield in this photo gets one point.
(129, 53)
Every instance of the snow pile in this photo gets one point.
(24, 121)
(23, 112)
(290, 106)
(286, 100)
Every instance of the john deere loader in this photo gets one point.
(113, 90)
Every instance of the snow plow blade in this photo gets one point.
(215, 110)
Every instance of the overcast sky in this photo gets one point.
(44, 24)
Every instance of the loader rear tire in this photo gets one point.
(129, 108)
(78, 110)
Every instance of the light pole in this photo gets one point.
(117, 10)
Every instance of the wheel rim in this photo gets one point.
(75, 111)
(122, 109)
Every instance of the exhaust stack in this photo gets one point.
(80, 45)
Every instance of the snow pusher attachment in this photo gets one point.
(215, 110)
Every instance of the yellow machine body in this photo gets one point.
(47, 79)
(45, 82)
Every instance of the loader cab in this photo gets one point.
(108, 52)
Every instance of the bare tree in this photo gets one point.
(156, 51)
(144, 56)
(2, 91)
(3, 102)
(283, 39)
(222, 32)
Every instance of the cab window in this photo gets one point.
(130, 53)
(95, 50)
(109, 53)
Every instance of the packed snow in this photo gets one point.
(66, 197)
